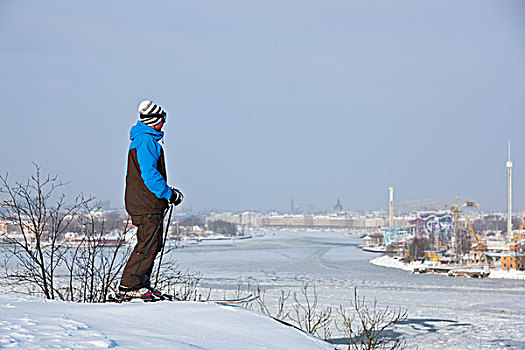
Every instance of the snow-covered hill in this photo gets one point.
(32, 323)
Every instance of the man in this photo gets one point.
(147, 197)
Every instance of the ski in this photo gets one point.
(118, 299)
(113, 297)
(234, 301)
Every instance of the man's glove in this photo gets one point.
(176, 197)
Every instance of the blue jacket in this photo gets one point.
(150, 158)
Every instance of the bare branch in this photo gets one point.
(371, 327)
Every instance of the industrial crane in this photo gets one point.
(518, 238)
(452, 203)
(479, 247)
(520, 235)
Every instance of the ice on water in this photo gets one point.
(443, 312)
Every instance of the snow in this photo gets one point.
(29, 323)
(443, 312)
(387, 261)
(509, 274)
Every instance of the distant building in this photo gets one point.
(294, 209)
(105, 205)
(338, 206)
(514, 258)
(513, 261)
(226, 217)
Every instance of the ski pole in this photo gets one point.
(146, 252)
(163, 245)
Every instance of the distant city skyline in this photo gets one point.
(271, 101)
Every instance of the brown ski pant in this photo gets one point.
(147, 225)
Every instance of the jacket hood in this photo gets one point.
(141, 128)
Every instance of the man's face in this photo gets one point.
(158, 127)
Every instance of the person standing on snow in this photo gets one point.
(147, 197)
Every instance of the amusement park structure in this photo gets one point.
(438, 220)
(437, 234)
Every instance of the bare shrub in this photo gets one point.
(182, 285)
(94, 263)
(371, 327)
(38, 249)
(307, 314)
(364, 327)
(281, 313)
(40, 260)
(303, 314)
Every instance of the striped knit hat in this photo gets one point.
(151, 113)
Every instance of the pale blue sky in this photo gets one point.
(271, 100)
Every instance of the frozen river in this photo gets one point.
(443, 312)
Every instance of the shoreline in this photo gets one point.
(387, 261)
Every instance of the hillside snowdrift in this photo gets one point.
(31, 323)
